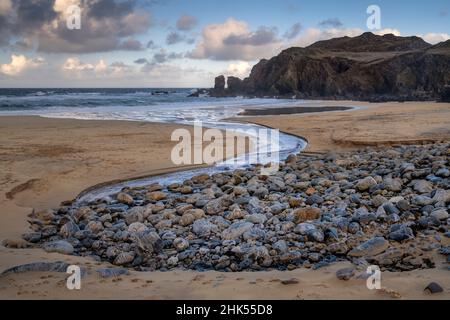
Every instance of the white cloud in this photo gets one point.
(382, 32)
(99, 69)
(233, 40)
(62, 5)
(435, 38)
(19, 64)
(74, 64)
(240, 69)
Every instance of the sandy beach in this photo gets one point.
(372, 124)
(47, 161)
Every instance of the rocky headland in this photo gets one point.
(388, 207)
(365, 68)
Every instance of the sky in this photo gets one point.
(182, 43)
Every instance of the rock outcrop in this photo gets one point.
(367, 67)
(445, 94)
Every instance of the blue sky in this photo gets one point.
(191, 41)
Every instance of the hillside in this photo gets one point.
(366, 67)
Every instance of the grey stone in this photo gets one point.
(112, 272)
(353, 227)
(180, 244)
(124, 258)
(304, 228)
(371, 247)
(33, 237)
(366, 183)
(257, 218)
(59, 246)
(236, 230)
(394, 185)
(345, 274)
(423, 186)
(204, 228)
(148, 241)
(400, 233)
(433, 288)
(441, 196)
(58, 266)
(390, 208)
(422, 200)
(69, 229)
(125, 198)
(443, 172)
(440, 214)
(281, 246)
(378, 201)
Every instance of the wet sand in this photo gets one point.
(290, 110)
(377, 124)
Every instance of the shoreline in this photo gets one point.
(209, 276)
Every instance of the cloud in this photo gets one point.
(186, 23)
(74, 64)
(141, 61)
(165, 75)
(382, 32)
(331, 22)
(106, 25)
(174, 38)
(19, 64)
(151, 45)
(293, 31)
(262, 36)
(75, 67)
(435, 38)
(130, 45)
(164, 56)
(240, 69)
(233, 40)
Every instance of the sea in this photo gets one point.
(170, 105)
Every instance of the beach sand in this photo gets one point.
(46, 161)
(372, 124)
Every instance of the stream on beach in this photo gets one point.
(156, 105)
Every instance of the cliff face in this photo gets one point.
(367, 67)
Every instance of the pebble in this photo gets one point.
(366, 183)
(306, 214)
(203, 228)
(440, 214)
(345, 274)
(236, 230)
(371, 247)
(423, 186)
(125, 198)
(156, 196)
(112, 272)
(433, 288)
(180, 244)
(59, 246)
(124, 258)
(289, 281)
